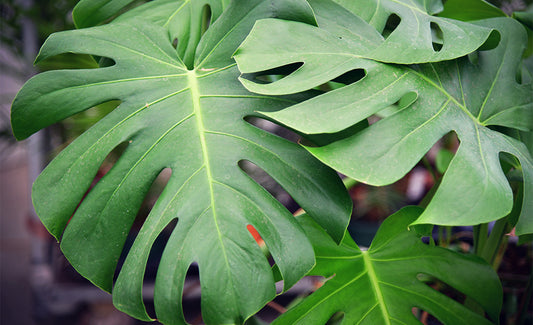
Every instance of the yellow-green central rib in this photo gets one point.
(195, 97)
(375, 287)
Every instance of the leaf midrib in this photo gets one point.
(197, 111)
(375, 287)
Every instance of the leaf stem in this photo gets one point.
(495, 240)
(481, 233)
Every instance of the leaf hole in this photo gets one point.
(175, 43)
(155, 190)
(271, 75)
(154, 259)
(424, 317)
(336, 318)
(192, 296)
(390, 26)
(404, 102)
(437, 37)
(72, 61)
(105, 166)
(273, 128)
(268, 183)
(323, 139)
(74, 125)
(206, 18)
(492, 41)
(350, 77)
(105, 62)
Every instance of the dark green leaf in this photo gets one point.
(457, 95)
(193, 122)
(382, 285)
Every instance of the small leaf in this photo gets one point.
(382, 285)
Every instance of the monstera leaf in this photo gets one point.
(184, 19)
(419, 36)
(382, 286)
(88, 13)
(469, 96)
(193, 122)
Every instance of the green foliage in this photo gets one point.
(385, 279)
(173, 67)
(468, 95)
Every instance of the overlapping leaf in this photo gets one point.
(419, 36)
(191, 121)
(382, 286)
(89, 13)
(457, 95)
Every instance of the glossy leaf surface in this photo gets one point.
(382, 285)
(193, 122)
(470, 96)
(411, 30)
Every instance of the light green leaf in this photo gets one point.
(458, 95)
(382, 285)
(419, 36)
(193, 122)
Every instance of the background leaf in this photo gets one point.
(193, 122)
(469, 96)
(88, 13)
(382, 285)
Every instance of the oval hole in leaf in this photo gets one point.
(269, 76)
(191, 296)
(392, 23)
(441, 287)
(105, 62)
(492, 41)
(273, 128)
(75, 125)
(260, 242)
(152, 195)
(436, 36)
(175, 42)
(424, 317)
(152, 265)
(206, 18)
(68, 61)
(106, 165)
(350, 77)
(268, 183)
(336, 319)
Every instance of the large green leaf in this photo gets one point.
(192, 121)
(382, 286)
(419, 36)
(461, 96)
